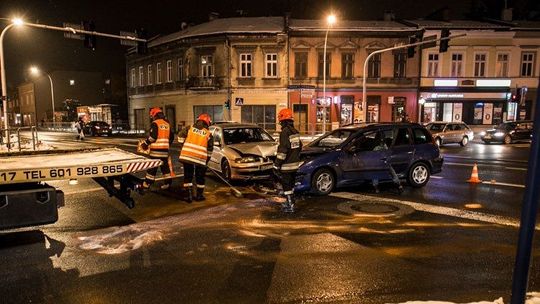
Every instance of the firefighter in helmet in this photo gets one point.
(197, 145)
(158, 141)
(288, 157)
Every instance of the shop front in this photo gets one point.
(474, 108)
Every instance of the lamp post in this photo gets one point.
(330, 20)
(35, 71)
(14, 22)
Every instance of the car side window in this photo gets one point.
(217, 135)
(421, 136)
(369, 141)
(388, 136)
(403, 137)
(457, 127)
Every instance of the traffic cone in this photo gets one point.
(171, 167)
(474, 176)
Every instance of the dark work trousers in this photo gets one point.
(287, 179)
(197, 170)
(165, 170)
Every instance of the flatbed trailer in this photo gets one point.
(25, 198)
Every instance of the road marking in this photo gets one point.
(437, 177)
(503, 184)
(458, 164)
(484, 165)
(453, 212)
(516, 168)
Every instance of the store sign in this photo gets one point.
(445, 82)
(459, 95)
(391, 100)
(493, 82)
(447, 95)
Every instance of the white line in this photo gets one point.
(458, 164)
(484, 165)
(437, 177)
(503, 184)
(84, 191)
(516, 168)
(465, 214)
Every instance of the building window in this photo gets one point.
(527, 64)
(206, 66)
(300, 65)
(180, 75)
(321, 67)
(374, 66)
(400, 65)
(245, 65)
(264, 116)
(158, 73)
(457, 65)
(141, 76)
(433, 65)
(149, 75)
(502, 65)
(270, 65)
(169, 70)
(215, 112)
(133, 82)
(347, 65)
(480, 65)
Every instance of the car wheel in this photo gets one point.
(323, 182)
(418, 175)
(226, 170)
(507, 139)
(438, 142)
(464, 141)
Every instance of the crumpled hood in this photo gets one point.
(264, 149)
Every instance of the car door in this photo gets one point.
(452, 133)
(217, 153)
(364, 158)
(402, 150)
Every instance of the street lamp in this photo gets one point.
(14, 22)
(330, 20)
(35, 71)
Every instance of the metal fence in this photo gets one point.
(11, 139)
(122, 128)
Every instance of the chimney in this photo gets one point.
(506, 14)
(389, 15)
(213, 16)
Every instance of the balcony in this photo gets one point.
(203, 83)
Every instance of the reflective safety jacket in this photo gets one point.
(197, 144)
(290, 146)
(160, 138)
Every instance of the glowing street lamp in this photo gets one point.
(14, 22)
(35, 71)
(330, 20)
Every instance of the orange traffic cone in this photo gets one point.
(474, 175)
(171, 167)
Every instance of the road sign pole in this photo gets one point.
(528, 216)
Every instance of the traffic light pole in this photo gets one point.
(403, 46)
(48, 27)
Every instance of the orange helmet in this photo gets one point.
(206, 118)
(285, 114)
(154, 111)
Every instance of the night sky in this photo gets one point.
(51, 51)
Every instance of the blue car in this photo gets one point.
(358, 153)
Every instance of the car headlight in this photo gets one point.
(482, 133)
(247, 159)
(499, 134)
(97, 127)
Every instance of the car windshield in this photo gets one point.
(434, 127)
(245, 135)
(333, 139)
(101, 124)
(506, 126)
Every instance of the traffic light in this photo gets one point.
(142, 46)
(443, 44)
(228, 104)
(414, 39)
(89, 40)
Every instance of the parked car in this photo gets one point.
(509, 132)
(97, 128)
(450, 133)
(358, 153)
(242, 151)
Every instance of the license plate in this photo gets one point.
(266, 167)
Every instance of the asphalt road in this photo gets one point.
(450, 241)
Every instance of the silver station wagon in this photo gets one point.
(450, 133)
(242, 151)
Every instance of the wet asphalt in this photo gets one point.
(456, 243)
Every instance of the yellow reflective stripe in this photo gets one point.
(188, 185)
(288, 192)
(202, 154)
(200, 186)
(195, 147)
(181, 139)
(193, 159)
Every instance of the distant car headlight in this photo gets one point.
(482, 133)
(247, 159)
(499, 134)
(97, 127)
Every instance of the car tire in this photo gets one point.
(323, 182)
(226, 170)
(418, 175)
(507, 139)
(464, 141)
(438, 141)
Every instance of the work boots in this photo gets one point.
(200, 196)
(288, 206)
(188, 194)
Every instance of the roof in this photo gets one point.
(239, 25)
(457, 24)
(349, 25)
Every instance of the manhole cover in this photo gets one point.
(374, 208)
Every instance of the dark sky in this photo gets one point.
(50, 51)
